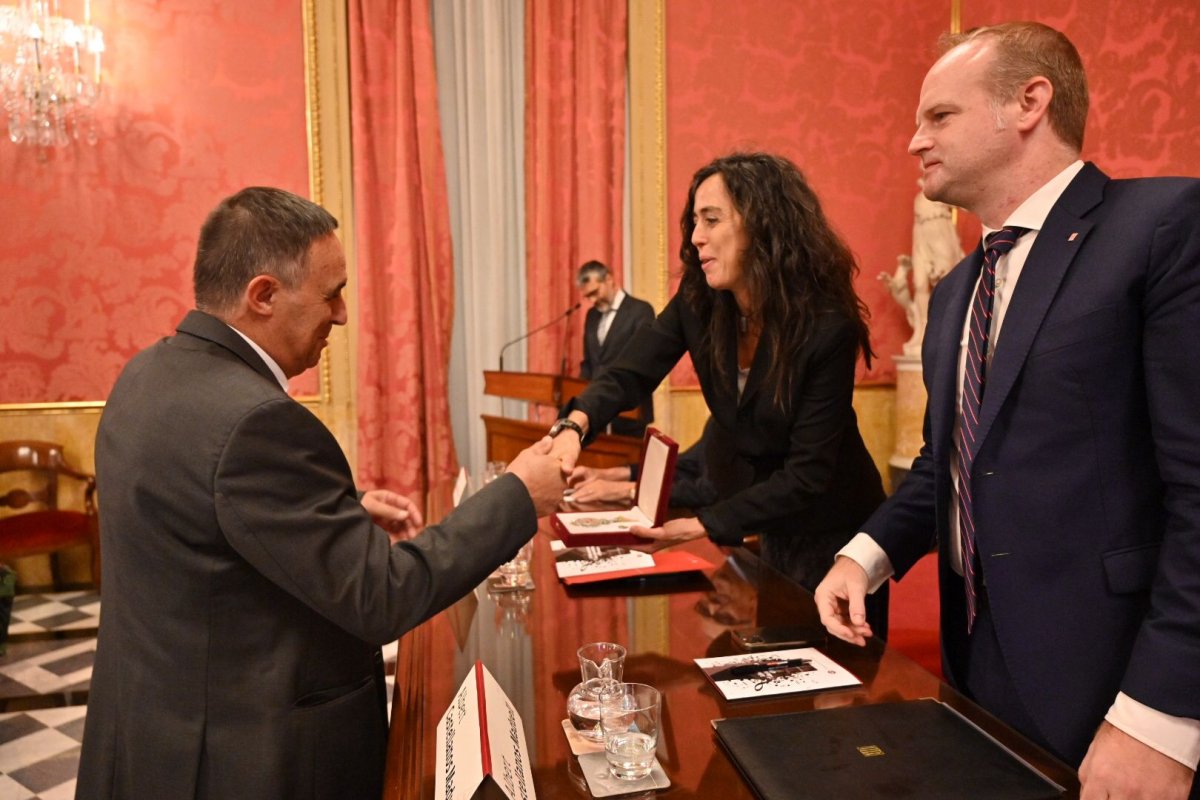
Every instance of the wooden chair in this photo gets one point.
(46, 528)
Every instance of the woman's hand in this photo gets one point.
(672, 532)
(602, 491)
(582, 476)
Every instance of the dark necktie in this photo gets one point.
(974, 376)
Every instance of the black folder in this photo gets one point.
(917, 748)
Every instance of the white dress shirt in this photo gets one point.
(1177, 737)
(606, 317)
(271, 365)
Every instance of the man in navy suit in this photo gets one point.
(609, 326)
(1069, 491)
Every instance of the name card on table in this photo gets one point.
(481, 752)
(651, 497)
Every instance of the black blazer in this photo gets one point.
(632, 314)
(800, 475)
(1088, 474)
(246, 590)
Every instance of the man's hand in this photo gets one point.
(673, 532)
(1119, 767)
(581, 476)
(841, 601)
(393, 512)
(542, 473)
(602, 491)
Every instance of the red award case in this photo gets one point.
(650, 500)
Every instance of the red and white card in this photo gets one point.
(481, 752)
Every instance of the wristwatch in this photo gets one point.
(566, 424)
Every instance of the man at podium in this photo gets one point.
(610, 324)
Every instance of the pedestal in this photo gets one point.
(910, 412)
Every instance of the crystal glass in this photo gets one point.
(492, 470)
(583, 706)
(516, 572)
(601, 660)
(629, 720)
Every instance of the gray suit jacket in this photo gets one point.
(246, 590)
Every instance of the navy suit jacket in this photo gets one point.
(1087, 480)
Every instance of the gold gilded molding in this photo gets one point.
(648, 165)
(65, 407)
(312, 104)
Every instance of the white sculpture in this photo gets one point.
(935, 250)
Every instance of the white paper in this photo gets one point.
(460, 486)
(575, 561)
(821, 673)
(459, 754)
(511, 769)
(459, 763)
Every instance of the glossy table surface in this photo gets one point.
(528, 641)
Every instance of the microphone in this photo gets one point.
(525, 336)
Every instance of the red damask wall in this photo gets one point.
(96, 244)
(834, 87)
(1143, 65)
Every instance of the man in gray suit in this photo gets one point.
(247, 588)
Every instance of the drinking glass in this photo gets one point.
(629, 720)
(492, 470)
(601, 660)
(515, 573)
(601, 665)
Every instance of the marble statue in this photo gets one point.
(935, 250)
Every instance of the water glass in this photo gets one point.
(515, 573)
(583, 706)
(629, 720)
(492, 470)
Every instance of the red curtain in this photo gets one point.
(575, 69)
(405, 269)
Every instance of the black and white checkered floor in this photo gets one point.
(39, 753)
(44, 678)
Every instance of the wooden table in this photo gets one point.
(528, 642)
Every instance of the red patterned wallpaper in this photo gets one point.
(97, 244)
(1143, 65)
(832, 87)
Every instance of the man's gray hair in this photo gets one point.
(259, 230)
(596, 268)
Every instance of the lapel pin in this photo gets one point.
(1071, 238)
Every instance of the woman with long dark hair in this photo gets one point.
(766, 307)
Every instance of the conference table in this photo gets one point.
(528, 641)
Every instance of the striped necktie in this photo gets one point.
(974, 376)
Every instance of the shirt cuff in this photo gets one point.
(864, 551)
(1174, 737)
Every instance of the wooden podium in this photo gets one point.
(507, 437)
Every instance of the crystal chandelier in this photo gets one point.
(49, 73)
